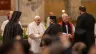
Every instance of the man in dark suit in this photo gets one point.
(85, 23)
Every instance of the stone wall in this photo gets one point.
(74, 8)
(3, 13)
(55, 6)
(90, 6)
(30, 9)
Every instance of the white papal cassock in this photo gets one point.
(35, 30)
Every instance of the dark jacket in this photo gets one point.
(85, 29)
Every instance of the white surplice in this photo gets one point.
(95, 29)
(35, 30)
(4, 24)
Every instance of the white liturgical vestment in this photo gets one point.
(35, 30)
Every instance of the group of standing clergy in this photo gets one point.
(84, 31)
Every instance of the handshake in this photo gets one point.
(35, 36)
(68, 35)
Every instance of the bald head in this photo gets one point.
(11, 11)
(65, 17)
(51, 13)
(10, 14)
(37, 19)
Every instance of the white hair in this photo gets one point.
(36, 17)
(64, 14)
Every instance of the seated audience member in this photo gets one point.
(92, 50)
(46, 40)
(78, 48)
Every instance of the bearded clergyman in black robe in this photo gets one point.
(84, 31)
(13, 28)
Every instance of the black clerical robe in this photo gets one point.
(11, 32)
(85, 29)
(69, 27)
(53, 29)
(13, 28)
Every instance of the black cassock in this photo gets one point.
(53, 29)
(12, 29)
(84, 31)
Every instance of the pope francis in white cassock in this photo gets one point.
(35, 31)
